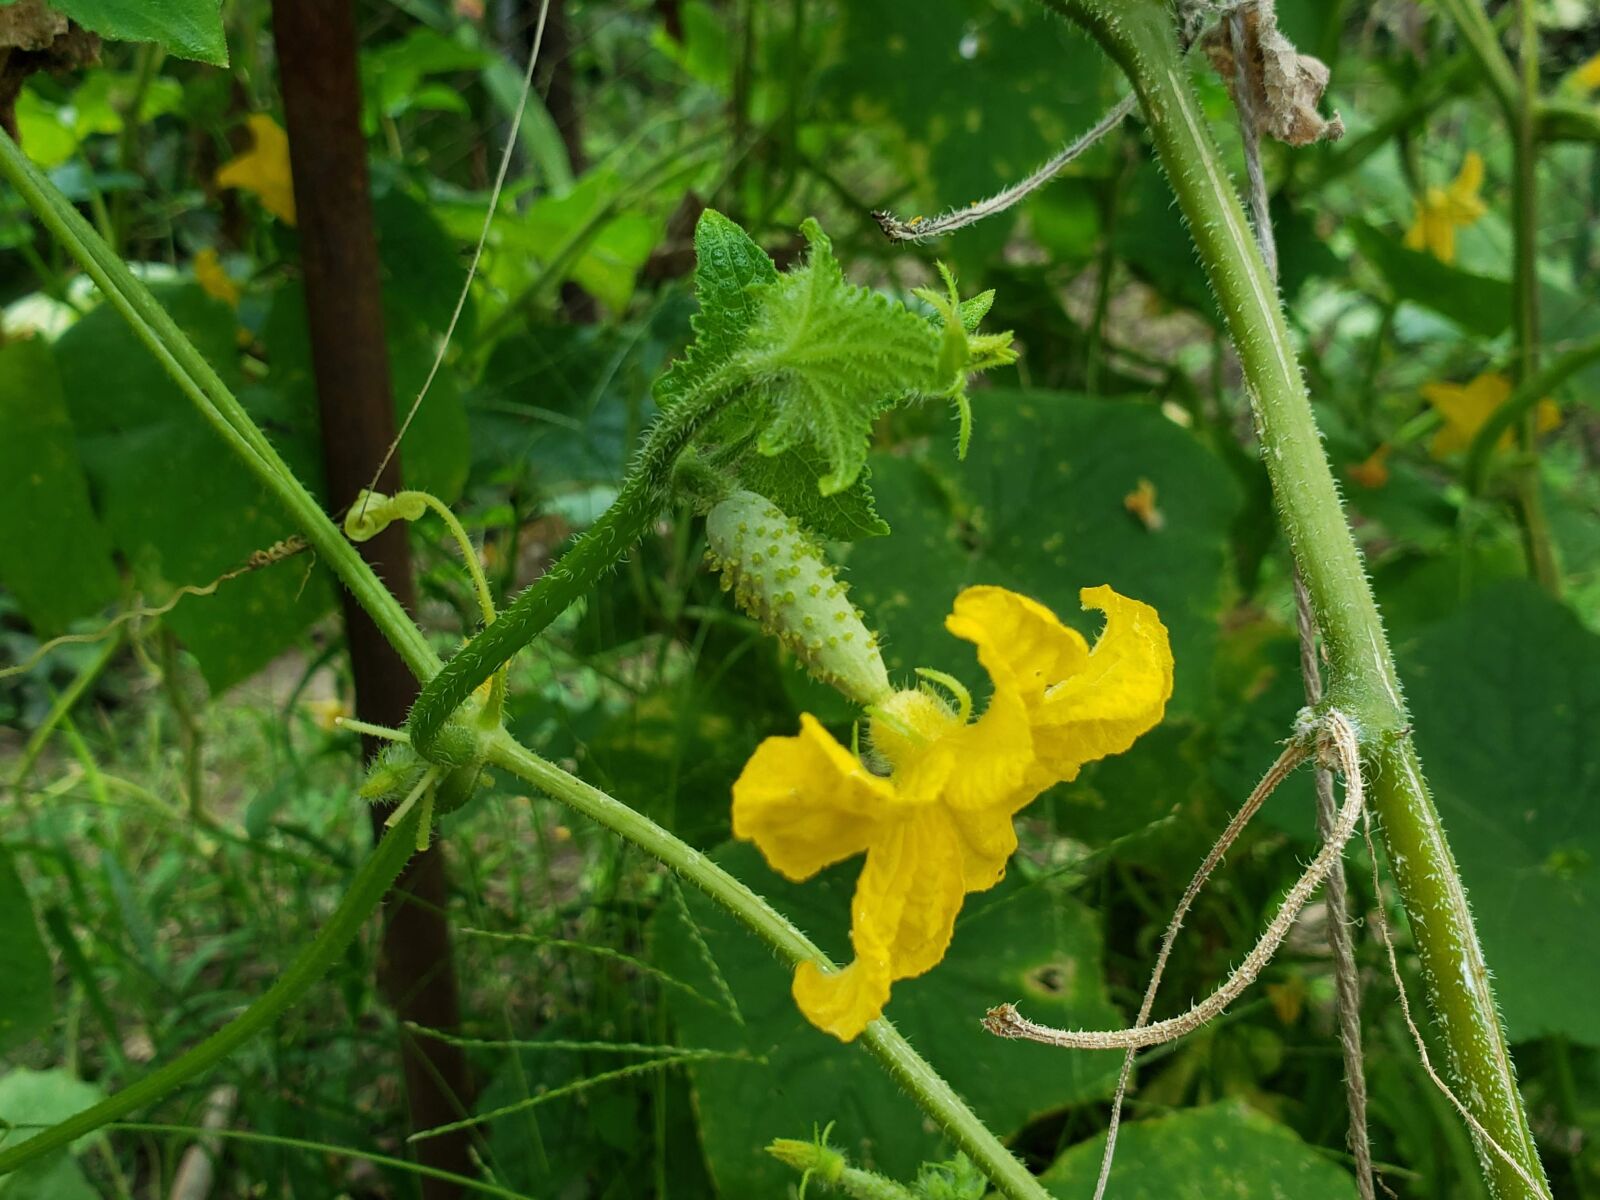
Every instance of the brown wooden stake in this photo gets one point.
(316, 42)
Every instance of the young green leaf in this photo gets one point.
(727, 266)
(830, 357)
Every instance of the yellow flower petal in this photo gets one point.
(264, 168)
(1465, 408)
(1441, 211)
(845, 1002)
(941, 825)
(807, 802)
(1018, 639)
(1372, 471)
(1587, 76)
(1120, 693)
(213, 280)
(901, 922)
(1466, 205)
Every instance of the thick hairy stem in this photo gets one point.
(1363, 682)
(337, 932)
(574, 575)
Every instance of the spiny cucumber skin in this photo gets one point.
(778, 575)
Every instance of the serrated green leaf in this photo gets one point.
(180, 509)
(1221, 1150)
(792, 481)
(55, 556)
(1477, 303)
(187, 28)
(830, 357)
(728, 265)
(1034, 942)
(25, 980)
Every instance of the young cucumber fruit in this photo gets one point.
(779, 576)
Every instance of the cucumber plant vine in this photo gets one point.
(767, 416)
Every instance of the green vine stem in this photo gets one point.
(1525, 297)
(629, 516)
(372, 880)
(572, 576)
(216, 404)
(1138, 34)
(904, 1064)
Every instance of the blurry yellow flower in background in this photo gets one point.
(1466, 406)
(1587, 76)
(1372, 471)
(938, 823)
(213, 279)
(328, 711)
(264, 168)
(1443, 210)
(1141, 502)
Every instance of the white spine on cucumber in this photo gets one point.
(779, 576)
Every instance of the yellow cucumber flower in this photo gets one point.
(1445, 209)
(1587, 77)
(933, 812)
(1466, 406)
(264, 168)
(213, 278)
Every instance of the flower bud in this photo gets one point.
(779, 576)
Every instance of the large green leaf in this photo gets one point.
(1039, 507)
(1202, 1154)
(25, 982)
(1506, 700)
(55, 556)
(42, 1098)
(179, 507)
(187, 28)
(1031, 942)
(979, 93)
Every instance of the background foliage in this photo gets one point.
(169, 841)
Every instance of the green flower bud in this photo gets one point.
(392, 774)
(779, 576)
(812, 1158)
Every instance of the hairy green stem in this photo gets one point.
(1479, 34)
(572, 576)
(62, 707)
(216, 404)
(1363, 682)
(372, 880)
(925, 1085)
